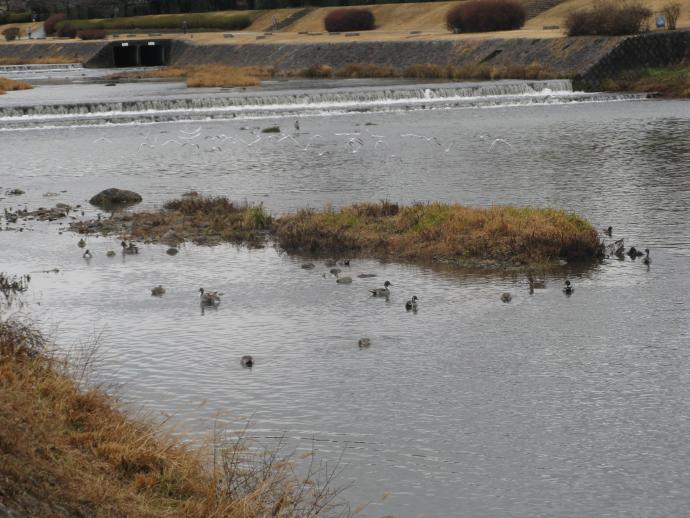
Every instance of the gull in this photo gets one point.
(500, 140)
(102, 139)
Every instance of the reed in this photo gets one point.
(68, 450)
(9, 85)
(452, 233)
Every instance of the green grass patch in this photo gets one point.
(195, 21)
(667, 82)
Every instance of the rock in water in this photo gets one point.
(113, 198)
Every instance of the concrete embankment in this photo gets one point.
(591, 59)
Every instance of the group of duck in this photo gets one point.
(617, 248)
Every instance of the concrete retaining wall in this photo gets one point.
(77, 51)
(569, 55)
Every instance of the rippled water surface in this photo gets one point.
(547, 406)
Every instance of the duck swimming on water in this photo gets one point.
(209, 298)
(382, 292)
(411, 305)
(568, 289)
(647, 260)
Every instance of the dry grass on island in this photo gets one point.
(670, 82)
(498, 236)
(9, 85)
(70, 451)
(201, 76)
(201, 219)
(491, 237)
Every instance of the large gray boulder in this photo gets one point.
(115, 198)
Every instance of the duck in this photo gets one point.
(647, 260)
(308, 266)
(382, 292)
(535, 284)
(158, 291)
(344, 262)
(634, 253)
(411, 305)
(506, 297)
(364, 343)
(129, 249)
(344, 280)
(609, 231)
(330, 262)
(568, 289)
(172, 251)
(81, 243)
(110, 253)
(335, 271)
(247, 361)
(619, 249)
(210, 298)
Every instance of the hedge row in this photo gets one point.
(486, 16)
(342, 20)
(168, 21)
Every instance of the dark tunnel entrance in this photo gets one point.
(141, 54)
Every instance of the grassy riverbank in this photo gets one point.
(671, 82)
(70, 451)
(497, 236)
(9, 85)
(198, 76)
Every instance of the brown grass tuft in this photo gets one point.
(38, 60)
(8, 85)
(198, 76)
(361, 70)
(481, 71)
(436, 231)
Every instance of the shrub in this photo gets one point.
(608, 18)
(66, 30)
(50, 25)
(485, 16)
(672, 13)
(316, 72)
(168, 21)
(342, 20)
(91, 34)
(11, 33)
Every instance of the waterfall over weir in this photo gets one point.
(277, 103)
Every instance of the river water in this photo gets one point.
(547, 406)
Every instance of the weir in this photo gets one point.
(292, 102)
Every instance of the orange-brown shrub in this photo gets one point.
(91, 34)
(11, 33)
(486, 16)
(608, 18)
(50, 25)
(342, 20)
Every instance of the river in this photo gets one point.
(546, 406)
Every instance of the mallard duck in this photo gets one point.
(344, 280)
(87, 254)
(158, 291)
(411, 305)
(568, 289)
(382, 292)
(363, 343)
(81, 243)
(247, 361)
(210, 298)
(634, 253)
(308, 266)
(647, 260)
(506, 297)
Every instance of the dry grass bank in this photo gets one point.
(41, 60)
(672, 82)
(68, 451)
(9, 85)
(199, 76)
(203, 220)
(436, 231)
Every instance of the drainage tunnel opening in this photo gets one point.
(152, 55)
(126, 56)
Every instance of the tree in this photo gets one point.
(672, 13)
